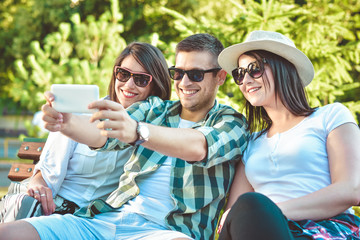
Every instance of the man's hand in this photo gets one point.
(118, 123)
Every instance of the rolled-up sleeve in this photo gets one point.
(227, 139)
(143, 111)
(54, 160)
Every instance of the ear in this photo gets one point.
(221, 77)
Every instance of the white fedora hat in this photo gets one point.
(272, 42)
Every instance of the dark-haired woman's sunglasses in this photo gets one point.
(140, 79)
(255, 70)
(195, 75)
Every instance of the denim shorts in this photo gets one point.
(110, 225)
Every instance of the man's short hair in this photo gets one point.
(201, 42)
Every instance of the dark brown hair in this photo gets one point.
(201, 42)
(288, 87)
(153, 61)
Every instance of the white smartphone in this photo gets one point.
(74, 98)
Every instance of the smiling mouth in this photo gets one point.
(189, 92)
(128, 94)
(253, 90)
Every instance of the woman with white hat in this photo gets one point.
(299, 176)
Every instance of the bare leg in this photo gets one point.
(18, 230)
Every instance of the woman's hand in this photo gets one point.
(53, 120)
(118, 123)
(44, 196)
(39, 190)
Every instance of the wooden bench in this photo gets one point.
(30, 149)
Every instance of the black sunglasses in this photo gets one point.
(140, 79)
(255, 70)
(195, 75)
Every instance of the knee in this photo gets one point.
(5, 231)
(253, 201)
(2, 233)
(252, 207)
(11, 231)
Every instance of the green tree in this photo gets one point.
(24, 21)
(327, 32)
(33, 35)
(78, 53)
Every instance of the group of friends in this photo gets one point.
(145, 167)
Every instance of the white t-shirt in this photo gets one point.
(294, 163)
(154, 201)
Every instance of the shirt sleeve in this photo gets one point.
(54, 160)
(337, 114)
(227, 138)
(148, 110)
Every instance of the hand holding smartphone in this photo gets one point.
(74, 98)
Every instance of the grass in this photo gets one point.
(357, 210)
(7, 160)
(3, 191)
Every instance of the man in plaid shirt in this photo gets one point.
(176, 181)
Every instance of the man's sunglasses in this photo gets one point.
(194, 75)
(255, 70)
(140, 79)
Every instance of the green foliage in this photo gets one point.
(77, 41)
(32, 131)
(142, 18)
(78, 53)
(356, 210)
(327, 32)
(24, 21)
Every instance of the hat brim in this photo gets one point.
(228, 58)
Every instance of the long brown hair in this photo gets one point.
(288, 87)
(153, 61)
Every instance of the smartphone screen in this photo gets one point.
(74, 98)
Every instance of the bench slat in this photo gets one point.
(21, 171)
(30, 149)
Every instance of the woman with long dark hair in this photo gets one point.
(299, 175)
(69, 175)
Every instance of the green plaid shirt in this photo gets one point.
(198, 189)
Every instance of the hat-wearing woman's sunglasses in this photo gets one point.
(255, 70)
(140, 79)
(194, 75)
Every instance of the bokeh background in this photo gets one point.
(43, 42)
